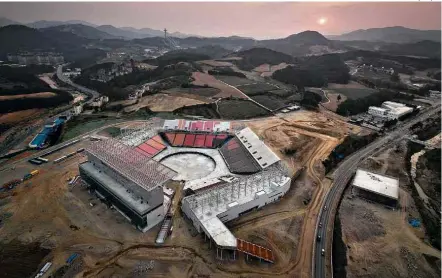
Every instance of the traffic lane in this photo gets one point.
(343, 178)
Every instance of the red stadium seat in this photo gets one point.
(170, 137)
(148, 149)
(155, 144)
(199, 140)
(179, 139)
(190, 138)
(209, 141)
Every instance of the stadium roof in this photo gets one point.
(379, 184)
(145, 172)
(260, 152)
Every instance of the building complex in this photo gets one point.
(390, 110)
(130, 175)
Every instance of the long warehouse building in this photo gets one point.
(133, 183)
(375, 187)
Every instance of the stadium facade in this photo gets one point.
(132, 183)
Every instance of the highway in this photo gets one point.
(321, 264)
(91, 93)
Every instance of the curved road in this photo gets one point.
(321, 264)
(91, 93)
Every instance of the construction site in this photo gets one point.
(179, 198)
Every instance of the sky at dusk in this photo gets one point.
(259, 20)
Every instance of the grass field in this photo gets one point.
(240, 109)
(202, 79)
(256, 88)
(234, 80)
(270, 101)
(75, 128)
(353, 90)
(204, 92)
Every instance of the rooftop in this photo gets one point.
(208, 204)
(116, 188)
(145, 172)
(260, 152)
(382, 185)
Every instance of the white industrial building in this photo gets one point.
(376, 187)
(390, 110)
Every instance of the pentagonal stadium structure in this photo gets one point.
(131, 172)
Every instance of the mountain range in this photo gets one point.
(396, 34)
(122, 32)
(64, 38)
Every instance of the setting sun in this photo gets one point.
(322, 21)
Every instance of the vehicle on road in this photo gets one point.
(320, 224)
(325, 207)
(323, 252)
(318, 238)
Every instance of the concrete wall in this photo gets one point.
(367, 195)
(154, 197)
(236, 211)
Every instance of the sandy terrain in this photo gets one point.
(162, 102)
(15, 117)
(379, 241)
(202, 79)
(267, 70)
(36, 95)
(48, 79)
(332, 103)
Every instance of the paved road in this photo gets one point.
(342, 175)
(91, 93)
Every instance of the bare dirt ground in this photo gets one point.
(267, 70)
(36, 95)
(16, 117)
(202, 79)
(332, 100)
(162, 103)
(48, 79)
(380, 242)
(47, 211)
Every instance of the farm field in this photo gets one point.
(257, 88)
(240, 109)
(270, 101)
(353, 90)
(202, 79)
(204, 92)
(267, 70)
(18, 116)
(234, 80)
(36, 95)
(214, 63)
(162, 103)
